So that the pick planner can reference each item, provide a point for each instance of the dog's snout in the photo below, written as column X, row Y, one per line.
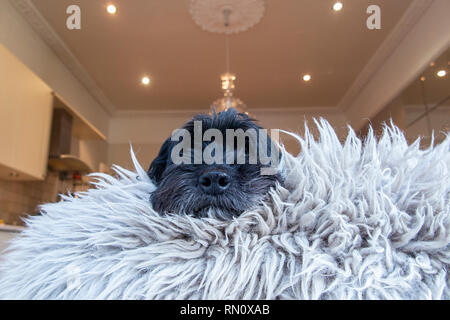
column 214, row 182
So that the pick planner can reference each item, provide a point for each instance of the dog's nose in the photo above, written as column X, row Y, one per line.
column 214, row 182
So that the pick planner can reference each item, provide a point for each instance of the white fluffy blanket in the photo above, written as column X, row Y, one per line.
column 355, row 220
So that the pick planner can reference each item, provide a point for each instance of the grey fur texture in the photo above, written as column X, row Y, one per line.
column 354, row 220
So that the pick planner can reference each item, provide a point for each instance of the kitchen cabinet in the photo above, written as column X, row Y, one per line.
column 26, row 104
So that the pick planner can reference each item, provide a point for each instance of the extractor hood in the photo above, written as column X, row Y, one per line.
column 60, row 157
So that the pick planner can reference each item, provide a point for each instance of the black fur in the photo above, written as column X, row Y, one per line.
column 178, row 187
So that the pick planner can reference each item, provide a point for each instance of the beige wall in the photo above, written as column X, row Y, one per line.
column 395, row 110
column 119, row 154
column 438, row 122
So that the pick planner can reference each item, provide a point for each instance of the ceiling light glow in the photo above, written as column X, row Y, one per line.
column 441, row 73
column 338, row 6
column 145, row 81
column 112, row 9
column 306, row 77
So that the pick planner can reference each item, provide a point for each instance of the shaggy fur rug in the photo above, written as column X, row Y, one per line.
column 354, row 220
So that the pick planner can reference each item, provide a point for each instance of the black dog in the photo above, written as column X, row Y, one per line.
column 219, row 189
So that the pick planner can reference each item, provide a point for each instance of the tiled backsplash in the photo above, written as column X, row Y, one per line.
column 19, row 199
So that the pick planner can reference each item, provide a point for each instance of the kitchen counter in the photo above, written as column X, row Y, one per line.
column 9, row 228
column 7, row 233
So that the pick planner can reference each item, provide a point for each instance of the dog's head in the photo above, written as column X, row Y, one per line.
column 200, row 171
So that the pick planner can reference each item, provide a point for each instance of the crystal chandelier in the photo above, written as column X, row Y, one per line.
column 228, row 101
column 228, row 78
column 227, row 17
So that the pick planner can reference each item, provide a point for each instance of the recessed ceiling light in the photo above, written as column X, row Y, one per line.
column 112, row 9
column 441, row 73
column 306, row 77
column 145, row 81
column 338, row 6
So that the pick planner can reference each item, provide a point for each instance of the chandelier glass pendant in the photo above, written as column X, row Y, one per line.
column 227, row 17
column 228, row 100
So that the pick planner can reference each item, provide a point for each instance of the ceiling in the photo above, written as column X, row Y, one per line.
column 159, row 38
